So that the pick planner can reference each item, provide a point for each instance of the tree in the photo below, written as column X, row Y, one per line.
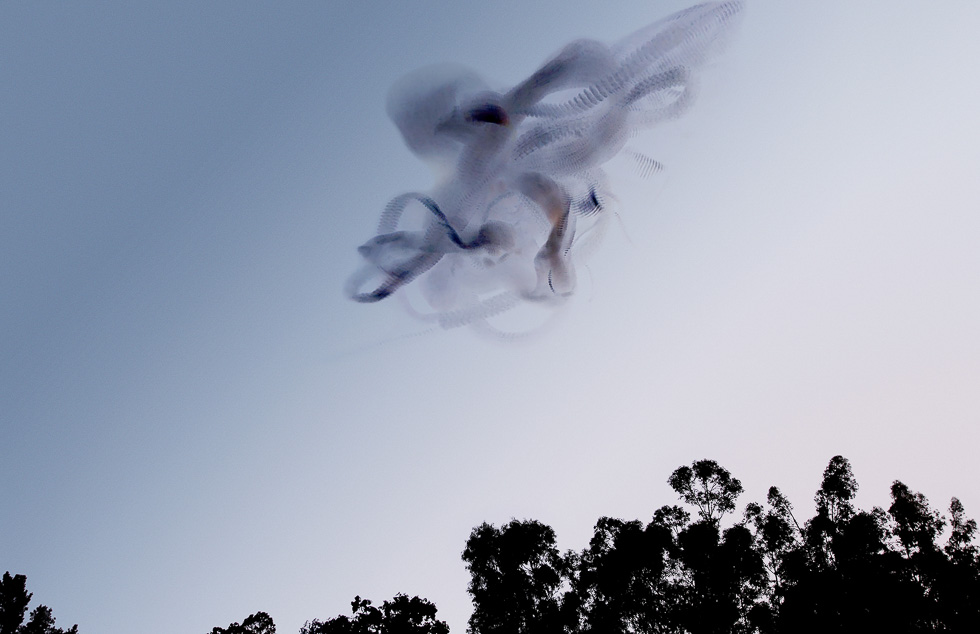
column 42, row 622
column 401, row 615
column 843, row 570
column 960, row 546
column 708, row 486
column 725, row 576
column 778, row 542
column 258, row 623
column 837, row 489
column 834, row 508
column 861, row 587
column 723, row 573
column 958, row 590
column 14, row 599
column 915, row 525
column 624, row 582
column 673, row 518
column 517, row 579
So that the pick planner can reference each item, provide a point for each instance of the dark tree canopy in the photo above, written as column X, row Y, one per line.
column 401, row 615
column 258, row 623
column 836, row 491
column 843, row 570
column 516, row 579
column 14, row 599
column 707, row 486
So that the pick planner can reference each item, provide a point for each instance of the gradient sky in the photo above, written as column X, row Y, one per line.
column 195, row 424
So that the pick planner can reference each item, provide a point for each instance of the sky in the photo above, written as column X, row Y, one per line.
column 196, row 424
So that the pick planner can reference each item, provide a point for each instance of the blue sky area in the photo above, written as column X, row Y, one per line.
column 196, row 424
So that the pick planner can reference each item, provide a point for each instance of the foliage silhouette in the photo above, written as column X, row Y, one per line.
column 517, row 579
column 258, row 623
column 401, row 615
column 620, row 581
column 14, row 599
column 708, row 486
column 842, row 570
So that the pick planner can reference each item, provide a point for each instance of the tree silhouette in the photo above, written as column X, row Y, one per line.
column 834, row 509
column 916, row 525
column 14, row 599
column 624, row 574
column 843, row 570
column 778, row 537
column 837, row 489
column 516, row 579
column 258, row 623
column 401, row 615
column 708, row 486
column 726, row 575
column 958, row 590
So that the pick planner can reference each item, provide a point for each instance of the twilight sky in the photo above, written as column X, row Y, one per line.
column 195, row 424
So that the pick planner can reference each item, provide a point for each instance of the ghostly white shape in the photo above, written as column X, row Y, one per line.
column 520, row 179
